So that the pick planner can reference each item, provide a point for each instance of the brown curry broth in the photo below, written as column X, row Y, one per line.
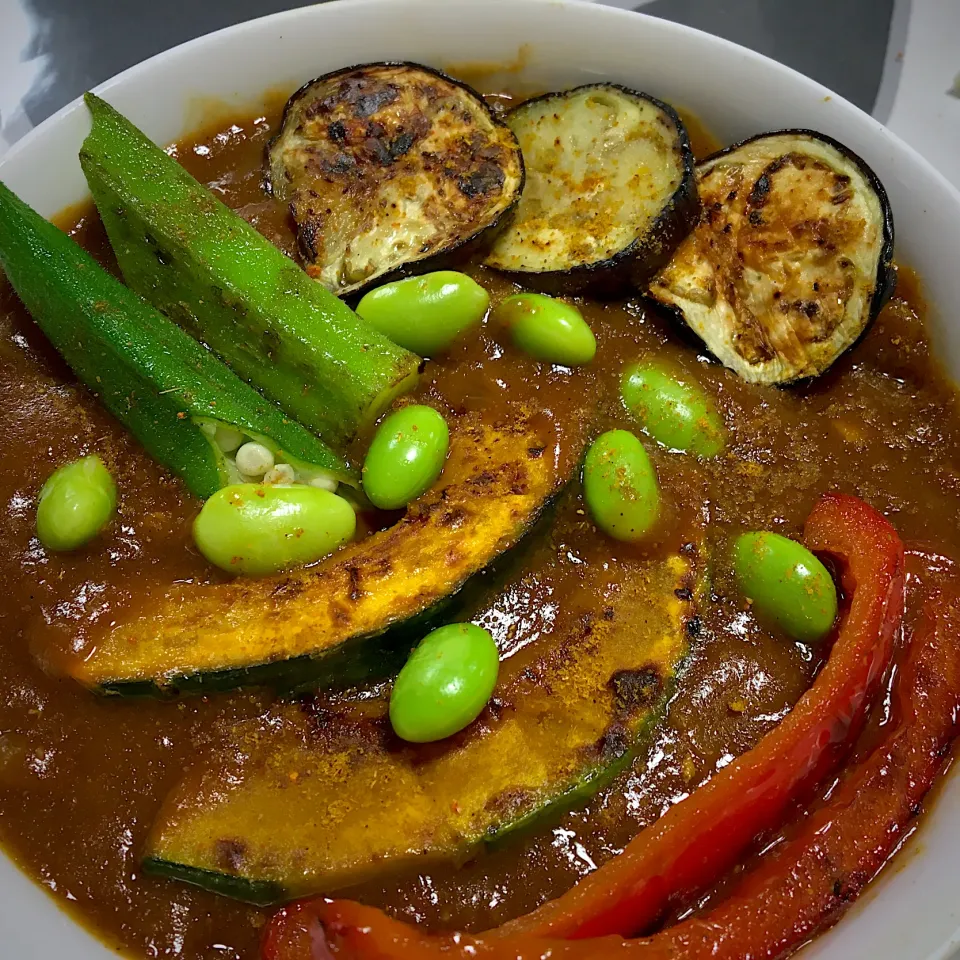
column 81, row 777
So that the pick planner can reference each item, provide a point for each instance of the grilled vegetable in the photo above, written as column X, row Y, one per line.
column 791, row 259
column 610, row 190
column 174, row 396
column 206, row 268
column 697, row 840
column 388, row 169
column 317, row 625
column 300, row 809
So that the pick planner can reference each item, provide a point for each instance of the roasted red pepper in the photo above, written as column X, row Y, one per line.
column 698, row 840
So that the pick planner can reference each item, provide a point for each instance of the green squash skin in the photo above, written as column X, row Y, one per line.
column 265, row 893
column 145, row 370
column 299, row 675
column 259, row 893
column 212, row 273
column 593, row 780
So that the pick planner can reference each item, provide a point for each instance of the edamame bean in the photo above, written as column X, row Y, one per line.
column 620, row 486
column 255, row 529
column 786, row 584
column 405, row 457
column 674, row 411
column 75, row 504
column 426, row 314
column 445, row 684
column 547, row 329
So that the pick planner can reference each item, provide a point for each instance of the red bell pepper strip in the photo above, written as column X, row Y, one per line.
column 699, row 839
column 804, row 885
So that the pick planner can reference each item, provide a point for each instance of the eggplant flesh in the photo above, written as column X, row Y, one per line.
column 610, row 190
column 389, row 168
column 791, row 260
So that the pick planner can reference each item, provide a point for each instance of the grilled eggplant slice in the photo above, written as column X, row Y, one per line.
column 610, row 190
column 389, row 169
column 791, row 260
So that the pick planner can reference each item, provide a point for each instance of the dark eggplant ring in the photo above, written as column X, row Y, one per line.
column 610, row 194
column 792, row 258
column 391, row 169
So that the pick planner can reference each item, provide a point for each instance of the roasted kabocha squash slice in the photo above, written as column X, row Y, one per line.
column 320, row 625
column 391, row 169
column 791, row 260
column 327, row 796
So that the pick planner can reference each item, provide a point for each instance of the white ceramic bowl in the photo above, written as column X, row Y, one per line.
column 913, row 912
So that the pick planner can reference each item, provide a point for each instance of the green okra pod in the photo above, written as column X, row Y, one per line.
column 206, row 268
column 167, row 389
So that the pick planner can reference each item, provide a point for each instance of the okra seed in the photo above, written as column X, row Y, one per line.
column 228, row 439
column 254, row 459
column 281, row 473
column 325, row 481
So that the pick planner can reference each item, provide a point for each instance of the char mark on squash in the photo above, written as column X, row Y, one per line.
column 635, row 690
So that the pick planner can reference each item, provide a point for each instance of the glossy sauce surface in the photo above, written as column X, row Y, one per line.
column 81, row 778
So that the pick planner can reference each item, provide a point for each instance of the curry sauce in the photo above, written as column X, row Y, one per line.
column 82, row 777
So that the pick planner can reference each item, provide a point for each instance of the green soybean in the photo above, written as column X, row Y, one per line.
column 426, row 314
column 445, row 684
column 787, row 585
column 75, row 504
column 405, row 457
column 257, row 529
column 620, row 486
column 673, row 411
column 547, row 329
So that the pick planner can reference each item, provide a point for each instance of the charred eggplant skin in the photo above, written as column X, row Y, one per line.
column 494, row 171
column 885, row 279
column 646, row 254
